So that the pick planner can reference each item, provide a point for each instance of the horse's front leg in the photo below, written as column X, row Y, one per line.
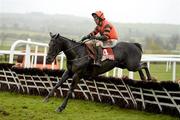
column 72, row 87
column 65, row 76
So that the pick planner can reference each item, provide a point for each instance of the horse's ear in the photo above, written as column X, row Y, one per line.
column 51, row 34
column 57, row 35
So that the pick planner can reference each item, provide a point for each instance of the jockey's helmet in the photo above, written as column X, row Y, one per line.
column 99, row 14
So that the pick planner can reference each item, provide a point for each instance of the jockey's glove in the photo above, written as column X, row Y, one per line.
column 85, row 37
column 101, row 38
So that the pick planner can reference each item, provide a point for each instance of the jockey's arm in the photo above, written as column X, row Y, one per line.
column 94, row 32
column 106, row 34
column 101, row 38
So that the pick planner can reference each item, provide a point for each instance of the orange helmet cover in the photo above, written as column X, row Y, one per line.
column 99, row 14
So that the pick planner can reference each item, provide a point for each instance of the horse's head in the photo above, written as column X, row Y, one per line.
column 54, row 48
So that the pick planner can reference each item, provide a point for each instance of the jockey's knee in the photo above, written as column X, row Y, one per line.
column 89, row 43
column 99, row 44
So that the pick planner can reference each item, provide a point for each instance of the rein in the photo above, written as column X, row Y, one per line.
column 75, row 47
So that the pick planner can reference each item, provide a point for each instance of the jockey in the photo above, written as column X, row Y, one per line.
column 107, row 33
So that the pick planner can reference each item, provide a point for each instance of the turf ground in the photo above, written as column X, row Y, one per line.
column 15, row 106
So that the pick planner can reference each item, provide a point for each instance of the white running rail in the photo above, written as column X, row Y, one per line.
column 117, row 72
column 27, row 52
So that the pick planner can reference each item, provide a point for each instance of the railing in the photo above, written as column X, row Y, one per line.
column 117, row 72
column 159, row 97
column 28, row 44
column 163, row 58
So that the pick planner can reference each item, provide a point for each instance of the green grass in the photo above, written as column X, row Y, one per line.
column 15, row 106
column 157, row 71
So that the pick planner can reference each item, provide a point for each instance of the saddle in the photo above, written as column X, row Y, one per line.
column 107, row 52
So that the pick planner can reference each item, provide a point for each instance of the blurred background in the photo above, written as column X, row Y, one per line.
column 153, row 23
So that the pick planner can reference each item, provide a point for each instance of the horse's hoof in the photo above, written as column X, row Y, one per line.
column 127, row 106
column 59, row 109
column 45, row 100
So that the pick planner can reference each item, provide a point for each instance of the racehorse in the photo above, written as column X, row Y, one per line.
column 79, row 64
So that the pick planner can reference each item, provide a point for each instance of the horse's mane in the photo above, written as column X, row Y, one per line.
column 68, row 39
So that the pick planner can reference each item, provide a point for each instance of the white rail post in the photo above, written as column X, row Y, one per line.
column 148, row 64
column 120, row 72
column 35, row 57
column 27, row 55
column 62, row 61
column 107, row 74
column 131, row 75
column 11, row 56
column 174, row 72
column 44, row 56
column 114, row 72
column 167, row 66
column 32, row 61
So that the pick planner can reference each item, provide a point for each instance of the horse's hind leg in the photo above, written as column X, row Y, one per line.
column 141, row 74
column 148, row 74
column 144, row 66
column 65, row 76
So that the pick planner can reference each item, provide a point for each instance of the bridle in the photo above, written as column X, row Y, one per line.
column 81, row 42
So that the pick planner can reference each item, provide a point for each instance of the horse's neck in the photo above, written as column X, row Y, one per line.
column 71, row 49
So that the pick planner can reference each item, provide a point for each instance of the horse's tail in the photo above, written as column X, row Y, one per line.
column 139, row 46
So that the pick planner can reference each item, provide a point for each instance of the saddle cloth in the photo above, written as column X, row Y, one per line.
column 107, row 54
column 107, row 49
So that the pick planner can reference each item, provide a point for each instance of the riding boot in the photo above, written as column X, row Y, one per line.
column 98, row 56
